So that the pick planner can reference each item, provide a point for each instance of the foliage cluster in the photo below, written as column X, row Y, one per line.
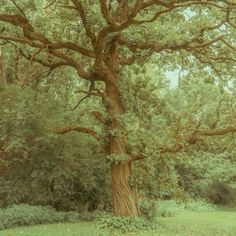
column 40, row 167
column 206, row 172
column 26, row 215
column 148, row 209
column 172, row 207
column 126, row 224
column 222, row 194
column 160, row 116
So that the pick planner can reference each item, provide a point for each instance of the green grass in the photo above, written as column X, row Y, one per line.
column 201, row 224
column 83, row 229
column 220, row 223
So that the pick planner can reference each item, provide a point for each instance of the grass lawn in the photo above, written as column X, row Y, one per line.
column 221, row 223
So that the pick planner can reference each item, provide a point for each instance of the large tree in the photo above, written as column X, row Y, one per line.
column 98, row 39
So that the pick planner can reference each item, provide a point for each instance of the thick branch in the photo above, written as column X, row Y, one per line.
column 153, row 47
column 73, row 62
column 217, row 132
column 52, row 65
column 136, row 158
column 77, row 129
column 66, row 60
column 39, row 41
column 105, row 12
column 184, row 3
column 229, row 10
column 19, row 9
column 72, row 46
column 30, row 34
column 195, row 137
column 85, row 22
column 19, row 21
column 99, row 117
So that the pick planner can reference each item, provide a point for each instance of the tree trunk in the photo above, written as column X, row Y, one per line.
column 2, row 69
column 123, row 198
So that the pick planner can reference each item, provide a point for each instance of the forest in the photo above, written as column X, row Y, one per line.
column 118, row 117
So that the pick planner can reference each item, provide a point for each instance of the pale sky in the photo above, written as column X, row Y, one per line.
column 173, row 77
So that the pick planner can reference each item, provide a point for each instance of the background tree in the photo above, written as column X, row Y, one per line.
column 100, row 39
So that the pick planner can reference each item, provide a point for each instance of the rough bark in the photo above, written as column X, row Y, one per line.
column 123, row 198
column 2, row 70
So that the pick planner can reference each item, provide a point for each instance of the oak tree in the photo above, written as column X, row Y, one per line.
column 101, row 39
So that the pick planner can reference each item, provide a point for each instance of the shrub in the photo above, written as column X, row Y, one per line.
column 148, row 209
column 221, row 193
column 200, row 206
column 172, row 208
column 126, row 224
column 91, row 216
column 169, row 208
column 26, row 215
column 71, row 216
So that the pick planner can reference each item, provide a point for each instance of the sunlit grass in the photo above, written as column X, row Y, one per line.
column 83, row 229
column 221, row 223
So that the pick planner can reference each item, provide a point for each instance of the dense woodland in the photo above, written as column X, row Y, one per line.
column 85, row 99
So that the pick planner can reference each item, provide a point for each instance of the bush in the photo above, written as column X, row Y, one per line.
column 91, row 216
column 148, row 209
column 26, row 215
column 71, row 216
column 200, row 206
column 169, row 208
column 172, row 208
column 126, row 224
column 221, row 193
